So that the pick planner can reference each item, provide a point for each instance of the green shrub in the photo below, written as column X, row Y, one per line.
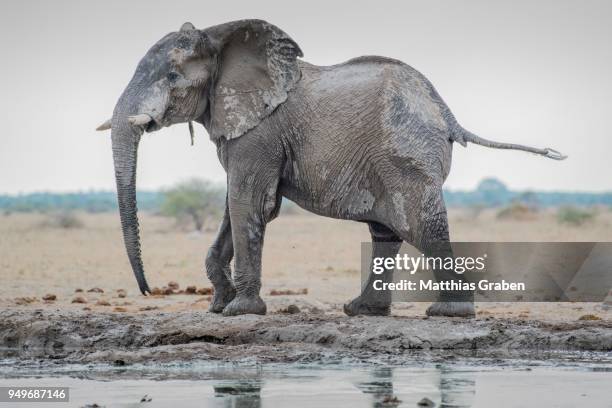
column 574, row 215
column 196, row 200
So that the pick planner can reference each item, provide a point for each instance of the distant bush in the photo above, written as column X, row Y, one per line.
column 489, row 193
column 518, row 212
column 64, row 220
column 197, row 200
column 93, row 202
column 493, row 193
column 574, row 215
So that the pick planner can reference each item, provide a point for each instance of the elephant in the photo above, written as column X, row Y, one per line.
column 367, row 140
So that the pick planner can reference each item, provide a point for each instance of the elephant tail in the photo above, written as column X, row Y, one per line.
column 464, row 136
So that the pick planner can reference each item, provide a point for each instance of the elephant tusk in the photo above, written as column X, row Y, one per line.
column 139, row 120
column 191, row 133
column 105, row 126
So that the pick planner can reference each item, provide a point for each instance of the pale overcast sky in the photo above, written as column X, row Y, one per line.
column 532, row 72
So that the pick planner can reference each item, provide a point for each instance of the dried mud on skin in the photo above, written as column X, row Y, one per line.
column 80, row 337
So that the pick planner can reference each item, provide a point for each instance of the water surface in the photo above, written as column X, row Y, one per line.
column 321, row 385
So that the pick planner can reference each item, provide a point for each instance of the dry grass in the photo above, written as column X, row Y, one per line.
column 517, row 212
column 301, row 251
column 64, row 219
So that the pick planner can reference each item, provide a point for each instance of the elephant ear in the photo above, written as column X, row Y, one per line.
column 257, row 67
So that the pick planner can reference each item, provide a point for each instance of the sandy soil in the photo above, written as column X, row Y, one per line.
column 301, row 252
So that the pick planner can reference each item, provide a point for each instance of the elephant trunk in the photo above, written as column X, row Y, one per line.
column 125, row 138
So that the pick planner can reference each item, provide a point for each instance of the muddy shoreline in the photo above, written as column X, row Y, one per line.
column 121, row 339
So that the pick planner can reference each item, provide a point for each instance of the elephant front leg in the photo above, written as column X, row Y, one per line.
column 248, row 228
column 218, row 266
column 385, row 244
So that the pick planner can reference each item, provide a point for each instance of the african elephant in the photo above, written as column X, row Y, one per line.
column 368, row 140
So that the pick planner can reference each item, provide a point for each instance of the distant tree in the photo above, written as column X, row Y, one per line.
column 492, row 185
column 492, row 192
column 195, row 199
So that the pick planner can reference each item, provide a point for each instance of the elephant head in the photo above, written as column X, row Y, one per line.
column 228, row 77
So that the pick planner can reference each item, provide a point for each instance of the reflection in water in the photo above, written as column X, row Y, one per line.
column 457, row 388
column 240, row 393
column 447, row 388
column 380, row 386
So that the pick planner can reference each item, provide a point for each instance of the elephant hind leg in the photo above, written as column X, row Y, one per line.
column 429, row 233
column 385, row 243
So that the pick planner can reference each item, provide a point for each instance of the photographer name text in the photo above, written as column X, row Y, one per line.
column 432, row 285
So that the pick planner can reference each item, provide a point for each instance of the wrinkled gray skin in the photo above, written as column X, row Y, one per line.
column 368, row 140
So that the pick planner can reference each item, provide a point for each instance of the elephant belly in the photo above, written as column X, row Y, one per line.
column 337, row 193
column 329, row 208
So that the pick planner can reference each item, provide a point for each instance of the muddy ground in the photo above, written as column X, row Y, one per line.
column 310, row 335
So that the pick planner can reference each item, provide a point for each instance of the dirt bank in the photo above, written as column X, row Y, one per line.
column 82, row 337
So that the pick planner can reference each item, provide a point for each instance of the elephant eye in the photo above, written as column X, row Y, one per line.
column 183, row 42
column 172, row 76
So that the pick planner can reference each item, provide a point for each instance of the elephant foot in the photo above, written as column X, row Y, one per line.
column 221, row 298
column 245, row 305
column 359, row 307
column 451, row 309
